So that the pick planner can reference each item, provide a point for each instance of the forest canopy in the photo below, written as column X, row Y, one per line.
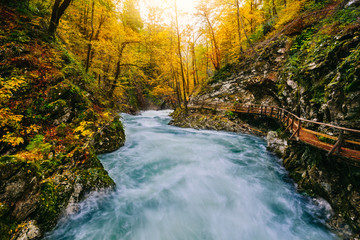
column 160, row 52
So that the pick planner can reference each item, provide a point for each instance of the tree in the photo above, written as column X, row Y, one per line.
column 180, row 55
column 238, row 23
column 58, row 10
column 205, row 11
column 131, row 16
column 87, row 64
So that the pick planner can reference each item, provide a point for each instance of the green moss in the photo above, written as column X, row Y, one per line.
column 230, row 114
column 347, row 15
column 38, row 143
column 315, row 5
column 4, row 209
column 98, row 178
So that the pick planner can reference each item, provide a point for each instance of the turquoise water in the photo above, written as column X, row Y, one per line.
column 182, row 184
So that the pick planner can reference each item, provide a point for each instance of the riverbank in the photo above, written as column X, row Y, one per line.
column 54, row 120
column 331, row 178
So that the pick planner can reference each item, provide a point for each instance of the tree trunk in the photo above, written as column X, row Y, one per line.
column 195, row 75
column 180, row 57
column 216, row 60
column 96, row 36
column 57, row 12
column 118, row 66
column 238, row 24
column 242, row 24
column 274, row 8
column 87, row 65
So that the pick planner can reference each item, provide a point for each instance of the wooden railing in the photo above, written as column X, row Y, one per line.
column 344, row 141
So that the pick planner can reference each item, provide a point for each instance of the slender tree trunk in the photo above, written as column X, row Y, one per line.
column 176, row 86
column 57, row 12
column 180, row 56
column 238, row 24
column 274, row 8
column 216, row 61
column 187, row 79
column 252, row 47
column 96, row 36
column 118, row 66
column 207, row 59
column 251, row 20
column 195, row 75
column 87, row 65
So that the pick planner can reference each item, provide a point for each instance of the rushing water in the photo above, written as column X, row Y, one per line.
column 186, row 184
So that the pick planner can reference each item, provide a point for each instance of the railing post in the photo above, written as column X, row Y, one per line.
column 340, row 140
column 265, row 110
column 297, row 132
column 283, row 113
column 271, row 112
column 299, row 128
column 287, row 123
column 337, row 145
column 249, row 108
column 283, row 118
column 261, row 110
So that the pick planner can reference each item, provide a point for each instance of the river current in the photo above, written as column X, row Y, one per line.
column 186, row 184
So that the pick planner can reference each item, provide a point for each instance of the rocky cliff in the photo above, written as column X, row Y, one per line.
column 311, row 68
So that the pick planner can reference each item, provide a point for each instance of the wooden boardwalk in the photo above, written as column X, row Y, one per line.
column 344, row 141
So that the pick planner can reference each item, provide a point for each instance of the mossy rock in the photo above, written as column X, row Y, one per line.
column 111, row 138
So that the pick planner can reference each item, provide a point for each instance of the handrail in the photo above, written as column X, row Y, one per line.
column 295, row 125
column 309, row 121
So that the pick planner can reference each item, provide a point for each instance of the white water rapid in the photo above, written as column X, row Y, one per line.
column 185, row 184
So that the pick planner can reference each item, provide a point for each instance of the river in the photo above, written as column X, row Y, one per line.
column 186, row 184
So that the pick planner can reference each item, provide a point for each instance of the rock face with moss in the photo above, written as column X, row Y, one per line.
column 332, row 178
column 53, row 122
column 311, row 68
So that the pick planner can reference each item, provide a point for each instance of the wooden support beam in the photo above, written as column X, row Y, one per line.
column 292, row 121
column 289, row 125
column 299, row 128
column 297, row 132
column 337, row 145
column 284, row 119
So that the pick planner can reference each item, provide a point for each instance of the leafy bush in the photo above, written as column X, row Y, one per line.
column 230, row 114
column 347, row 15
